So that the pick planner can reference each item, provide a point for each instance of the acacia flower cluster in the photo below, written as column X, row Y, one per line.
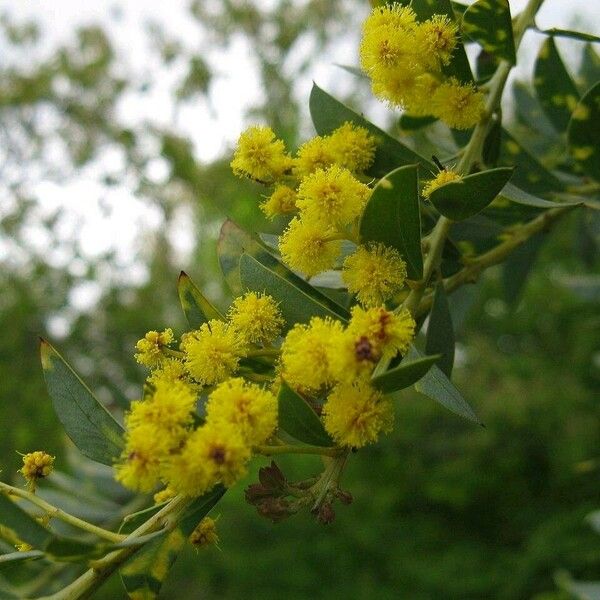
column 324, row 192
column 405, row 61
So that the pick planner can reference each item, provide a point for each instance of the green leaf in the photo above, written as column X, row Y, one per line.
column 89, row 425
column 404, row 375
column 297, row 418
column 328, row 114
column 298, row 300
column 514, row 194
column 196, row 307
column 516, row 268
column 584, row 132
column 554, row 87
column 64, row 549
column 438, row 387
column 589, row 71
column 392, row 217
column 530, row 173
column 492, row 144
column 440, row 331
column 8, row 560
column 233, row 242
column 410, row 123
column 567, row 33
column 488, row 22
column 145, row 573
column 24, row 526
column 462, row 199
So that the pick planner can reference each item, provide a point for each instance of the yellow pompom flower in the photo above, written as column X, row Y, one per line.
column 392, row 15
column 170, row 370
column 436, row 39
column 442, row 178
column 251, row 409
column 307, row 247
column 374, row 273
column 459, row 105
column 169, row 408
column 282, row 201
column 316, row 153
column 397, row 88
column 387, row 49
column 164, row 495
column 149, row 348
column 210, row 455
column 146, row 448
column 355, row 414
column 305, row 353
column 418, row 93
column 353, row 147
column 332, row 197
column 351, row 357
column 388, row 333
column 205, row 533
column 256, row 318
column 259, row 155
column 212, row 353
column 36, row 465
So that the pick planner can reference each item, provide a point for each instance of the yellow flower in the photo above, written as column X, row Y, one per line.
column 210, row 455
column 316, row 153
column 256, row 318
column 260, row 155
column 212, row 352
column 169, row 408
column 170, row 370
column 374, row 273
column 442, row 178
column 393, row 15
column 150, row 347
column 248, row 407
column 305, row 353
column 280, row 202
column 352, row 357
column 436, row 40
column 164, row 495
column 36, row 465
column 353, row 147
column 307, row 247
column 332, row 197
column 139, row 468
column 418, row 93
column 459, row 106
column 387, row 332
column 397, row 88
column 355, row 414
column 205, row 533
column 387, row 49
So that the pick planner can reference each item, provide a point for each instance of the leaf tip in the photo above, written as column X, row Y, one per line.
column 45, row 354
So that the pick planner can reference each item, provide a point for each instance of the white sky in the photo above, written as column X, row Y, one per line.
column 213, row 128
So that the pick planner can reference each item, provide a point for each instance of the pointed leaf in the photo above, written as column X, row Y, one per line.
column 196, row 307
column 392, row 217
column 297, row 418
column 589, row 71
column 8, row 560
column 404, row 375
column 514, row 194
column 517, row 267
column 554, row 87
column 233, row 242
column 584, row 133
column 567, row 33
column 145, row 573
column 328, row 114
column 298, row 300
column 438, row 387
column 91, row 427
column 24, row 526
column 410, row 123
column 440, row 331
column 462, row 199
column 488, row 22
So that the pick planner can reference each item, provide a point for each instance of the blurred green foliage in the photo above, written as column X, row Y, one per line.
column 442, row 509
